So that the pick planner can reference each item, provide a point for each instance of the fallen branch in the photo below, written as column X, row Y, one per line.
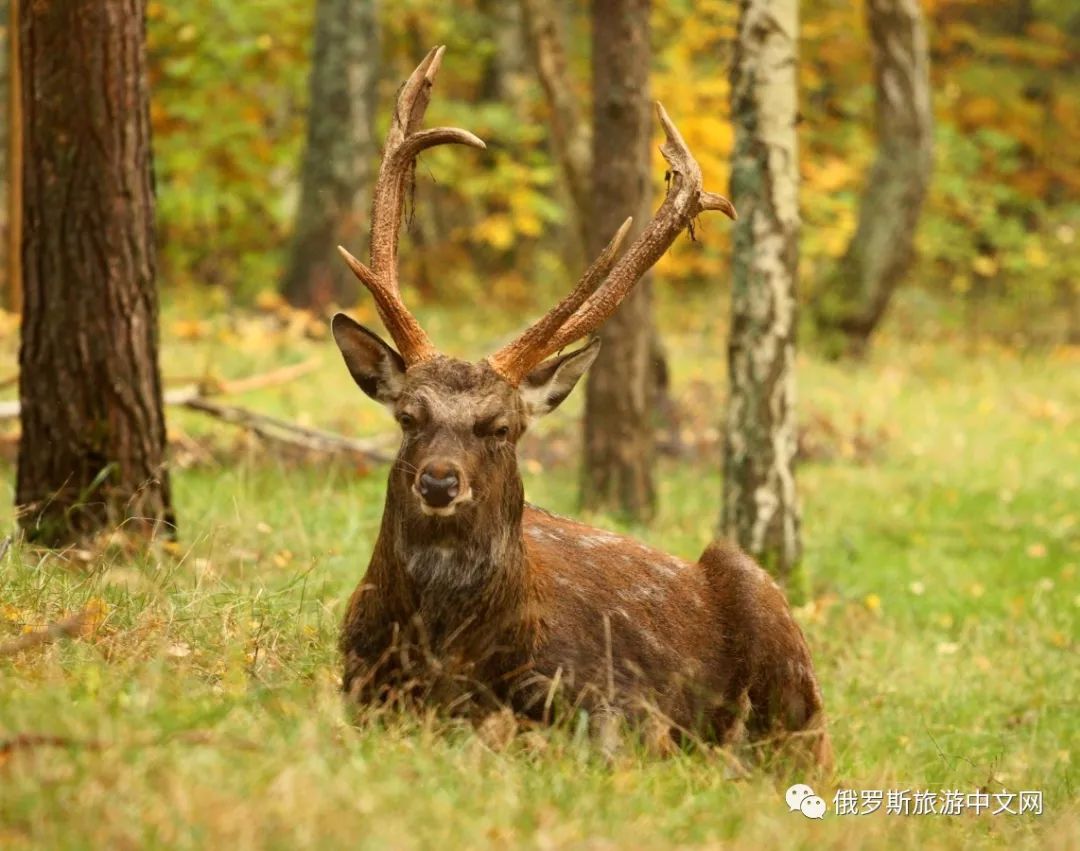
column 26, row 741
column 289, row 433
column 202, row 389
column 9, row 409
column 197, row 397
column 69, row 627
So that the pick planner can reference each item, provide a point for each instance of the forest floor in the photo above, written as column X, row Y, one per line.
column 199, row 708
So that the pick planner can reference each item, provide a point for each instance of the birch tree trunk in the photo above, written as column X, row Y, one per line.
column 92, row 449
column 760, row 509
column 620, row 398
column 339, row 153
column 855, row 293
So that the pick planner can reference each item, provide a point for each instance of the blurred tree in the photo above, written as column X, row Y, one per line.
column 620, row 453
column 12, row 146
column 339, row 153
column 612, row 180
column 506, row 60
column 855, row 292
column 760, row 508
column 92, row 449
column 570, row 136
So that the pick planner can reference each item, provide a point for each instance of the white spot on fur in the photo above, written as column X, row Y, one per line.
column 599, row 540
column 539, row 533
column 663, row 568
column 641, row 593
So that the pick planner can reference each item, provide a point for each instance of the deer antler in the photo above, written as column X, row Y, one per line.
column 404, row 142
column 588, row 306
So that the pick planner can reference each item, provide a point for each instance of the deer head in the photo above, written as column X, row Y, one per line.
column 461, row 421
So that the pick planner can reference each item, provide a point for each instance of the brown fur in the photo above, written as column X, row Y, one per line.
column 502, row 603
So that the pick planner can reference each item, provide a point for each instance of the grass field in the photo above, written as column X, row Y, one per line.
column 942, row 497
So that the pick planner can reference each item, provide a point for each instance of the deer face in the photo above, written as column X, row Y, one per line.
column 460, row 421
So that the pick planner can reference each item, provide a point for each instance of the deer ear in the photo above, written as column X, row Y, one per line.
column 376, row 368
column 548, row 384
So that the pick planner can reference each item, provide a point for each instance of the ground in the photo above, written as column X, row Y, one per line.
column 200, row 708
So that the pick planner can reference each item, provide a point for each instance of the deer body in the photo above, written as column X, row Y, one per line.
column 474, row 600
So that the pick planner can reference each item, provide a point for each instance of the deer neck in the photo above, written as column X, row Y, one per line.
column 454, row 572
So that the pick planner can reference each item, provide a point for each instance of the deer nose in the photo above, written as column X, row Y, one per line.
column 438, row 485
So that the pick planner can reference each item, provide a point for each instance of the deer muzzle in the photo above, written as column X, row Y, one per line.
column 441, row 486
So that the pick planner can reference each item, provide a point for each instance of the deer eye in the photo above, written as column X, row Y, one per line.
column 488, row 428
column 406, row 421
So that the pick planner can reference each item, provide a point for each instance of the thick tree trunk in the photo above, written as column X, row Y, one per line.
column 13, row 165
column 91, row 454
column 620, row 397
column 760, row 509
column 339, row 154
column 856, row 291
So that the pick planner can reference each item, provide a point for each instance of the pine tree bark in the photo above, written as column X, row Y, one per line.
column 92, row 450
column 855, row 293
column 760, row 509
column 339, row 152
column 620, row 395
column 13, row 165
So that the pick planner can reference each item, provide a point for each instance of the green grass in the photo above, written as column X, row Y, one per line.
column 204, row 712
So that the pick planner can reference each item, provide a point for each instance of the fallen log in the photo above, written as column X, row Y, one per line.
column 278, row 430
column 197, row 397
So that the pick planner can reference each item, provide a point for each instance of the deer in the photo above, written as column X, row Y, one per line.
column 475, row 601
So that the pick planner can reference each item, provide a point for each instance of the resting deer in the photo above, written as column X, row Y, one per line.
column 474, row 598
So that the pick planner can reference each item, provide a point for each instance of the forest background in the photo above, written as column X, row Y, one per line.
column 197, row 703
column 996, row 245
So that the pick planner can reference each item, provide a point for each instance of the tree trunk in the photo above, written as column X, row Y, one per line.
column 856, row 291
column 760, row 509
column 13, row 146
column 339, row 154
column 570, row 136
column 91, row 454
column 506, row 63
column 620, row 397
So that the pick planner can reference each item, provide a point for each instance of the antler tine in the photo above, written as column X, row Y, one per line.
column 684, row 201
column 404, row 142
column 514, row 360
